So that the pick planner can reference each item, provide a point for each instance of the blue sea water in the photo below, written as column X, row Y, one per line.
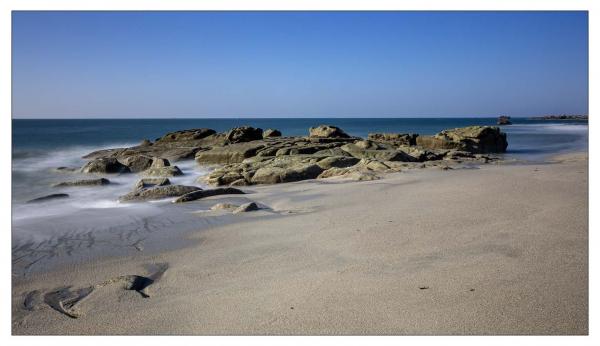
column 525, row 136
column 92, row 215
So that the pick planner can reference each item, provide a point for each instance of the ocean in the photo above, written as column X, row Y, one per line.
column 91, row 220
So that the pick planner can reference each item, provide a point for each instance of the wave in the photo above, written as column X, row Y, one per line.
column 42, row 160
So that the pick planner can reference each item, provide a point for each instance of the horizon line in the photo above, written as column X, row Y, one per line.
column 324, row 117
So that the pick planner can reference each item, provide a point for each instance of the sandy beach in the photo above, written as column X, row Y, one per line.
column 502, row 249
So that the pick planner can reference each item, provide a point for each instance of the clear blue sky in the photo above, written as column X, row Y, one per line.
column 300, row 64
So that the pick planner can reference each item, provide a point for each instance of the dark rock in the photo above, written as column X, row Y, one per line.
column 504, row 120
column 271, row 133
column 105, row 165
column 244, row 134
column 66, row 169
column 83, row 182
column 48, row 198
column 250, row 206
column 198, row 194
column 145, row 143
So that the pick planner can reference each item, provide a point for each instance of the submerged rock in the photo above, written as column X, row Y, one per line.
column 83, row 182
column 48, row 198
column 63, row 169
column 158, row 192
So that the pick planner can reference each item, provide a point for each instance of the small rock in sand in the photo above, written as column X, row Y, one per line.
column 223, row 206
column 251, row 206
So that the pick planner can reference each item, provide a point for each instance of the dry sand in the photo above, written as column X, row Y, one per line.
column 497, row 250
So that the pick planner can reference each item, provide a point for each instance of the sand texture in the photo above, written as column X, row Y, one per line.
column 502, row 249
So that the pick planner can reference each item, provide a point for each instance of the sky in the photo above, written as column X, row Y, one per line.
column 298, row 64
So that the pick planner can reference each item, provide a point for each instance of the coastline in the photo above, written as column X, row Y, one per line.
column 493, row 250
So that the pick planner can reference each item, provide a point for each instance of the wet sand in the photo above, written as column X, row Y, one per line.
column 498, row 250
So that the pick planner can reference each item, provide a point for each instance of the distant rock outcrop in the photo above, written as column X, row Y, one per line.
column 504, row 120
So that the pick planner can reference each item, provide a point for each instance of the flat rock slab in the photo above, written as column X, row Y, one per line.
column 192, row 196
column 158, row 192
column 48, row 198
column 83, row 182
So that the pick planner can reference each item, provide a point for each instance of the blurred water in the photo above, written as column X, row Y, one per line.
column 92, row 215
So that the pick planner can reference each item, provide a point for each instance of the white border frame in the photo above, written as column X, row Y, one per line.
column 7, row 6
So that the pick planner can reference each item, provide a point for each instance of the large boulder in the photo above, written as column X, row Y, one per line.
column 474, row 139
column 275, row 175
column 268, row 133
column 327, row 131
column 158, row 192
column 194, row 195
column 229, row 153
column 83, row 182
column 105, row 165
column 244, row 134
column 168, row 171
column 136, row 163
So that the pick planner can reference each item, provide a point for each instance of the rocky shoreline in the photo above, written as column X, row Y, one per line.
column 246, row 156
